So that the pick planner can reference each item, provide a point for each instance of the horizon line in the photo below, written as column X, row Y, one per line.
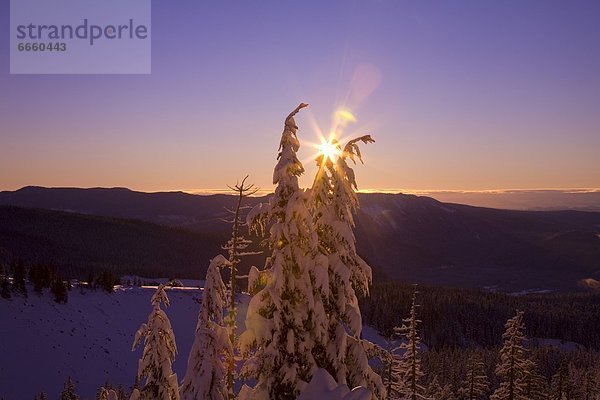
column 262, row 192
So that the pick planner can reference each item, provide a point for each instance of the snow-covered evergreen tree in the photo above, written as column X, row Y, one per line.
column 334, row 201
column 406, row 370
column 206, row 372
column 535, row 385
column 590, row 387
column 107, row 394
column 475, row 386
column 513, row 362
column 155, row 367
column 285, row 319
column 435, row 391
column 559, row 386
column 68, row 392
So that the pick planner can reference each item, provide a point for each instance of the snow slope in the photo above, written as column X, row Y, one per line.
column 89, row 338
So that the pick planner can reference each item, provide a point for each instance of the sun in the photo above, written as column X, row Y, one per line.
column 329, row 149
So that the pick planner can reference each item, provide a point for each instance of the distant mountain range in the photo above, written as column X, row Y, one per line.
column 404, row 237
column 523, row 199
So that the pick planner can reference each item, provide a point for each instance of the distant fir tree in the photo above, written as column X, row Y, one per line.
column 437, row 392
column 535, row 385
column 590, row 387
column 41, row 396
column 107, row 281
column 155, row 366
column 475, row 386
column 285, row 318
column 36, row 276
column 91, row 284
column 559, row 384
column 205, row 377
column 565, row 383
column 513, row 362
column 333, row 204
column 406, row 370
column 5, row 289
column 68, row 392
column 59, row 290
column 19, row 273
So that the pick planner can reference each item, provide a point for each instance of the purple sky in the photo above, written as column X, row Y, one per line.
column 466, row 95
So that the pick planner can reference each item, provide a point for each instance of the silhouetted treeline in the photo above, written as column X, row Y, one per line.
column 15, row 276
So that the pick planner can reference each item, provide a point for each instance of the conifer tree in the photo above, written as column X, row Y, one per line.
column 406, row 370
column 513, row 362
column 535, row 385
column 105, row 393
column 437, row 392
column 285, row 318
column 36, row 277
column 5, row 291
column 590, row 388
column 334, row 202
column 68, row 392
column 475, row 386
column 121, row 393
column 18, row 284
column 206, row 372
column 559, row 384
column 59, row 290
column 41, row 396
column 155, row 366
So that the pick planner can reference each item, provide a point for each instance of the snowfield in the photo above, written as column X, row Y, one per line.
column 90, row 338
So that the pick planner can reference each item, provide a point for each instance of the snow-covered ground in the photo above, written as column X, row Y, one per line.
column 89, row 338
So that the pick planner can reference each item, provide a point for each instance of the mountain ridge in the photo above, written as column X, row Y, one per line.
column 406, row 237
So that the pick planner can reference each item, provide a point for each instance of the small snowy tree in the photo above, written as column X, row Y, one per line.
column 206, row 372
column 107, row 394
column 68, row 392
column 475, row 386
column 406, row 370
column 513, row 362
column 285, row 318
column 155, row 366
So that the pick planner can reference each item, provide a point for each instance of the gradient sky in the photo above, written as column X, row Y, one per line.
column 466, row 95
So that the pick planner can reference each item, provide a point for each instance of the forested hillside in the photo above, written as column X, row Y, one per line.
column 408, row 238
column 458, row 318
column 79, row 244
